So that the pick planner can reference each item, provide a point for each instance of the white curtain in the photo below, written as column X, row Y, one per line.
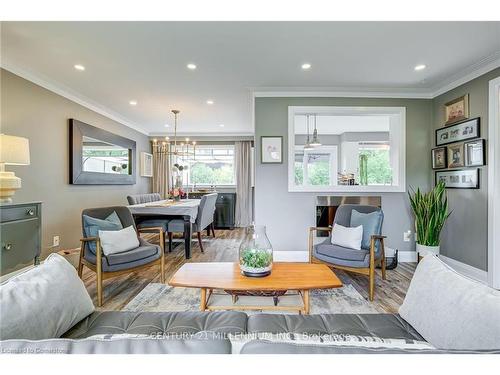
column 161, row 169
column 244, row 201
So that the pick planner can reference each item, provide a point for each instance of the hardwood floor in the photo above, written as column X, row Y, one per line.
column 119, row 291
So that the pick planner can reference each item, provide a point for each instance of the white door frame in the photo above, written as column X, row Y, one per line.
column 494, row 184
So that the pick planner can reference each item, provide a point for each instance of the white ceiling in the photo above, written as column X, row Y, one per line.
column 335, row 125
column 146, row 61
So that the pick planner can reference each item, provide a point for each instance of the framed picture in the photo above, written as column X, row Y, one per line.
column 456, row 110
column 439, row 158
column 459, row 179
column 146, row 164
column 475, row 153
column 462, row 131
column 456, row 155
column 271, row 149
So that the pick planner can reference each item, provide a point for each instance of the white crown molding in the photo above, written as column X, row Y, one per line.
column 340, row 92
column 198, row 134
column 468, row 74
column 69, row 94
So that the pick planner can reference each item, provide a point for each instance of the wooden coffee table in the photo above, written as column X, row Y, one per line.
column 300, row 277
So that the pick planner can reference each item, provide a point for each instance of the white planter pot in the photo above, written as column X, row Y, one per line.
column 423, row 250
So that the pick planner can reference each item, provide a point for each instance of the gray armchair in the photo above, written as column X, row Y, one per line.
column 144, row 256
column 358, row 261
column 204, row 220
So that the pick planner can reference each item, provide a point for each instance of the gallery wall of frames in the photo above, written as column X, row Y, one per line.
column 459, row 149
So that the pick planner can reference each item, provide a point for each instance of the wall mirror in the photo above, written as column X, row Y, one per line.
column 99, row 157
column 346, row 149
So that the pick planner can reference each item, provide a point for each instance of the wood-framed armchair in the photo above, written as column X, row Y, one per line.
column 106, row 267
column 361, row 261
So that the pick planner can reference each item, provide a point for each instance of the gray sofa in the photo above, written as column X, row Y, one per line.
column 114, row 332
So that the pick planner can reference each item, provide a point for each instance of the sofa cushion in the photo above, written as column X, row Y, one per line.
column 335, row 251
column 450, row 310
column 91, row 227
column 43, row 302
column 141, row 252
column 118, row 241
column 371, row 223
column 375, row 325
column 159, row 323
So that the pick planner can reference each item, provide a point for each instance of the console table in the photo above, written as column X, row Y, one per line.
column 21, row 234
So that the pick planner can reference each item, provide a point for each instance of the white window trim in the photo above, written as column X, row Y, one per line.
column 397, row 139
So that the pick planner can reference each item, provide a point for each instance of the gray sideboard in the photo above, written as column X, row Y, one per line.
column 20, row 235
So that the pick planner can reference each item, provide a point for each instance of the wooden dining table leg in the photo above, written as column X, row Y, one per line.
column 187, row 236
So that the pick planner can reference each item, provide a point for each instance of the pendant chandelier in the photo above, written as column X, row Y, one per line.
column 181, row 149
column 308, row 145
column 315, row 140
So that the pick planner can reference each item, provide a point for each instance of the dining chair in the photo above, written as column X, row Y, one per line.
column 112, row 265
column 361, row 261
column 149, row 224
column 204, row 220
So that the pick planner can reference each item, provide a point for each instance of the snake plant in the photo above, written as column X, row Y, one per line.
column 431, row 211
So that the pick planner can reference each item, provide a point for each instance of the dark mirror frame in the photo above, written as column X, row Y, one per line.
column 77, row 176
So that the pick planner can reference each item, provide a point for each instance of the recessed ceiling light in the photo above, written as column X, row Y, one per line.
column 210, row 102
column 306, row 66
column 133, row 102
column 79, row 67
column 167, row 125
column 191, row 66
column 221, row 125
column 420, row 67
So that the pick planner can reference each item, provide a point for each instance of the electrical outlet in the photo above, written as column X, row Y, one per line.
column 55, row 241
column 407, row 236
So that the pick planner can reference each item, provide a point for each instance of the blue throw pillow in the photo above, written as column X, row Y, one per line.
column 91, row 226
column 372, row 224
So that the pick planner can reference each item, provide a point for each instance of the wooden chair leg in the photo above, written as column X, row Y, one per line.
column 99, row 273
column 213, row 230
column 371, row 273
column 162, row 258
column 169, row 242
column 199, row 241
column 80, row 264
column 383, row 262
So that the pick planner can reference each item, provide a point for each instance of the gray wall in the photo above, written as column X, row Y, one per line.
column 465, row 237
column 288, row 215
column 30, row 111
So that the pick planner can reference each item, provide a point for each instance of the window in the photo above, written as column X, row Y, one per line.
column 374, row 164
column 316, row 168
column 212, row 165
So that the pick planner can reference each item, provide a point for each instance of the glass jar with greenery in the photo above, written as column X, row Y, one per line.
column 256, row 253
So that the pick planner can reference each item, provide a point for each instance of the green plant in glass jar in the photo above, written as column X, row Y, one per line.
column 256, row 253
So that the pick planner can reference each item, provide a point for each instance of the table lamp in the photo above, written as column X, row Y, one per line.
column 13, row 151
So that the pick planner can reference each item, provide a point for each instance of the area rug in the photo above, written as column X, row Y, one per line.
column 160, row 297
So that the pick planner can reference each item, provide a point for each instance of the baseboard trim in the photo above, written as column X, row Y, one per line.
column 466, row 270
column 407, row 256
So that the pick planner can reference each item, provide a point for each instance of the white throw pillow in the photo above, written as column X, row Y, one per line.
column 43, row 302
column 118, row 241
column 347, row 237
column 450, row 310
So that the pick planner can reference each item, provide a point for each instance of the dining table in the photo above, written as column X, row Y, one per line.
column 184, row 209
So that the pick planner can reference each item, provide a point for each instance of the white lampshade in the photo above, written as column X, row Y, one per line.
column 14, row 150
